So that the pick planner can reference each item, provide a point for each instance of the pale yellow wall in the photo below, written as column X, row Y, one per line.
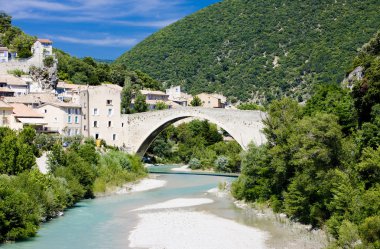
column 57, row 119
column 208, row 101
column 5, row 117
column 96, row 97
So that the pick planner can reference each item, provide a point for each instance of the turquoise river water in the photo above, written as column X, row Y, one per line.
column 106, row 222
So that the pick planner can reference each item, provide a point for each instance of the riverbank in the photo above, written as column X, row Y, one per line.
column 174, row 224
column 144, row 184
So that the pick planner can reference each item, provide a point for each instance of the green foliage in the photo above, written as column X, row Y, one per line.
column 19, row 215
column 161, row 106
column 17, row 72
column 369, row 166
column 48, row 61
column 334, row 100
column 140, row 104
column 89, row 71
column 370, row 231
column 200, row 140
column 250, row 106
column 366, row 92
column 196, row 101
column 17, row 151
column 194, row 163
column 230, row 47
column 115, row 169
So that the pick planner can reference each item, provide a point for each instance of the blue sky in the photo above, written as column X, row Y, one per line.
column 102, row 29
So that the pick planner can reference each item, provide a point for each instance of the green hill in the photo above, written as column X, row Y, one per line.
column 255, row 49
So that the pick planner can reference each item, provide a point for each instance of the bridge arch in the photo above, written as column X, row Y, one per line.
column 244, row 126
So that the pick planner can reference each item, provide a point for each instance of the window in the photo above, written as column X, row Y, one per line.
column 95, row 123
column 110, row 111
column 69, row 110
column 96, row 135
column 45, row 111
column 77, row 112
column 76, row 120
column 109, row 123
column 122, row 124
column 85, row 128
column 109, row 102
column 69, row 132
column 96, row 112
column 84, row 116
column 69, row 119
column 113, row 137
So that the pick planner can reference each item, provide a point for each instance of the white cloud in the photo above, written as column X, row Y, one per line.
column 147, row 12
column 106, row 41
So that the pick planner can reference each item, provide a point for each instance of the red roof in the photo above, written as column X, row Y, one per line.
column 46, row 41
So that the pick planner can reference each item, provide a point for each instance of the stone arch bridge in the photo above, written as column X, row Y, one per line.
column 141, row 129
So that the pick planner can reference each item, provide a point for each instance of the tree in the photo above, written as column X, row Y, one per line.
column 194, row 163
column 48, row 61
column 5, row 22
column 140, row 104
column 126, row 99
column 196, row 101
column 161, row 106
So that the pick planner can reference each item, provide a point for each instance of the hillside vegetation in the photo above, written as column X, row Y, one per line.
column 260, row 49
column 321, row 165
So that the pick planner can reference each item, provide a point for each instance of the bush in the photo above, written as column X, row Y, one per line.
column 194, row 163
column 222, row 164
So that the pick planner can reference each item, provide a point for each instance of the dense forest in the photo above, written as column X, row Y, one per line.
column 260, row 50
column 321, row 165
column 28, row 197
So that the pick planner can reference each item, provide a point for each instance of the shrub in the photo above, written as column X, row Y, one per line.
column 194, row 163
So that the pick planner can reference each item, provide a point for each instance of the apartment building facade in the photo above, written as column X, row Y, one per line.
column 63, row 118
column 101, row 113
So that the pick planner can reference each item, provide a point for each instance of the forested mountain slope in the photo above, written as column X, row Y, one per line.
column 262, row 48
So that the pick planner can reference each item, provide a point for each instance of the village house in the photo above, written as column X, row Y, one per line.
column 101, row 113
column 181, row 98
column 5, row 113
column 155, row 97
column 69, row 92
column 4, row 53
column 63, row 118
column 23, row 115
column 16, row 84
column 212, row 100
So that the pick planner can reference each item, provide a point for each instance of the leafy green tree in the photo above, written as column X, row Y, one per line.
column 194, row 163
column 250, row 106
column 140, row 104
column 370, row 231
column 48, row 61
column 5, row 22
column 19, row 215
column 369, row 166
column 196, row 101
column 57, row 157
column 161, row 106
column 333, row 99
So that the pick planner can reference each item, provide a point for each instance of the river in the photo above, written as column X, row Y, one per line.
column 158, row 218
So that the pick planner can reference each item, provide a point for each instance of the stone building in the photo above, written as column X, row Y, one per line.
column 101, row 113
column 212, row 100
column 63, row 118
column 5, row 114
